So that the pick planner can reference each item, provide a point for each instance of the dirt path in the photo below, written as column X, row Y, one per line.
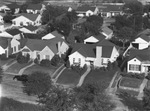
column 113, row 97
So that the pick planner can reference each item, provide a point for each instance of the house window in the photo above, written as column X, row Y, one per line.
column 134, row 67
column 73, row 60
column 79, row 60
column 47, row 57
column 14, row 49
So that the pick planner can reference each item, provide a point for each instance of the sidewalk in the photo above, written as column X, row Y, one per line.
column 55, row 79
column 83, row 77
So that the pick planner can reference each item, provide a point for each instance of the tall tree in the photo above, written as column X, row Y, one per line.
column 38, row 84
column 125, row 34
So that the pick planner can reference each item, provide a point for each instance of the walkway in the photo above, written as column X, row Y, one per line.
column 54, row 74
column 113, row 97
column 23, row 69
column 83, row 77
column 6, row 66
column 55, row 80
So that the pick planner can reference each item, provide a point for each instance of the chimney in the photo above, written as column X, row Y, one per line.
column 97, row 62
column 59, row 45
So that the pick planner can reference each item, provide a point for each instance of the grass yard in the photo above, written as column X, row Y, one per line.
column 130, row 82
column 148, row 84
column 131, row 92
column 15, row 68
column 2, row 62
column 69, row 77
column 36, row 67
column 100, row 76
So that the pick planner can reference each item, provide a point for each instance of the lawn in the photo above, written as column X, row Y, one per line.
column 148, row 84
column 69, row 77
column 2, row 62
column 100, row 76
column 36, row 67
column 130, row 82
column 15, row 68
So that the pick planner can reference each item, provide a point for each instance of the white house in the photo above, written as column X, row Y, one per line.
column 26, row 19
column 139, row 61
column 107, row 32
column 141, row 42
column 15, row 45
column 92, row 55
column 53, row 35
column 94, row 39
column 86, row 10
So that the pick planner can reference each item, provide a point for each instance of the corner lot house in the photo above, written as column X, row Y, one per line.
column 96, row 55
column 26, row 19
column 141, row 42
column 86, row 10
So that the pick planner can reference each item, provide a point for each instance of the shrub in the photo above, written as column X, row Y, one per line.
column 134, row 75
column 45, row 63
column 67, row 64
column 23, row 59
column 36, row 61
column 55, row 60
column 79, row 70
column 3, row 57
column 13, row 56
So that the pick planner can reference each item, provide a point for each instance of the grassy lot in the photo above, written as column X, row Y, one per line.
column 15, row 68
column 130, row 82
column 100, row 76
column 36, row 67
column 69, row 76
column 8, row 104
column 131, row 92
column 148, row 84
column 2, row 62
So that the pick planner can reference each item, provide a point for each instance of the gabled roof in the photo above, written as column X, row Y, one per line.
column 13, row 5
column 141, row 55
column 31, row 27
column 14, row 32
column 107, row 51
column 31, row 17
column 57, row 34
column 35, row 6
column 145, row 37
column 144, row 32
column 111, row 8
column 32, row 36
column 39, row 45
column 107, row 30
column 85, row 8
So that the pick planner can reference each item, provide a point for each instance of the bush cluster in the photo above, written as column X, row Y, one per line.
column 78, row 69
column 45, row 63
column 23, row 59
column 134, row 75
column 3, row 57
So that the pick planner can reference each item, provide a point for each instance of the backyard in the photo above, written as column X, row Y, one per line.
column 69, row 77
column 131, row 82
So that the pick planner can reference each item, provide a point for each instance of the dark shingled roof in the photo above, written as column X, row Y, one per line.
column 14, row 32
column 142, row 55
column 32, row 17
column 56, row 34
column 110, row 8
column 85, row 8
column 35, row 6
column 145, row 37
column 31, row 27
column 13, row 5
column 89, row 50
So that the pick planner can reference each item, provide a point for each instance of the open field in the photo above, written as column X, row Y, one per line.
column 69, row 77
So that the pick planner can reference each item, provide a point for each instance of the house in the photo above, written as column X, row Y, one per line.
column 53, row 35
column 97, row 55
column 94, row 39
column 15, row 45
column 29, row 29
column 35, row 8
column 107, row 32
column 14, row 7
column 26, row 19
column 86, row 10
column 141, row 42
column 12, row 33
column 4, row 8
column 139, row 61
column 110, row 10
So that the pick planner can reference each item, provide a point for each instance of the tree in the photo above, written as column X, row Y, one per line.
column 125, row 34
column 90, row 97
column 55, row 60
column 57, row 99
column 38, row 83
column 146, row 99
column 7, row 18
column 1, row 74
